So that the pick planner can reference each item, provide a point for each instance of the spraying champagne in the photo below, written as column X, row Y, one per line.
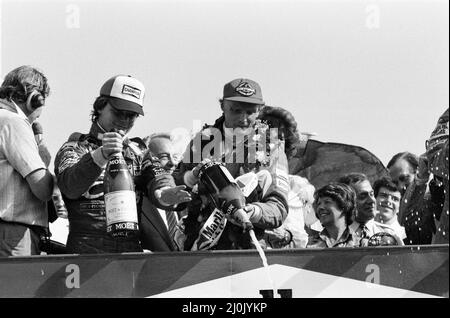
column 227, row 196
column 225, row 193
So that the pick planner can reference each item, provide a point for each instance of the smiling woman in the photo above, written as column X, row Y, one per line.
column 334, row 205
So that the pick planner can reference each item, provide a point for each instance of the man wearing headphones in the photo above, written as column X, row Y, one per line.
column 25, row 182
column 80, row 165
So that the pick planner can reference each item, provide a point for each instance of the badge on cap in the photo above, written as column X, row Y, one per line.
column 128, row 90
column 245, row 89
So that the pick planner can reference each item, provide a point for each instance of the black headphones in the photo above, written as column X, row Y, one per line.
column 35, row 100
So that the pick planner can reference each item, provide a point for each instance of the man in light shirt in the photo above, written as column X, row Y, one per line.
column 25, row 181
column 388, row 199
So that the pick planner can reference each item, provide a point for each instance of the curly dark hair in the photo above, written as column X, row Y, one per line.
column 384, row 182
column 342, row 194
column 278, row 117
column 20, row 82
column 99, row 104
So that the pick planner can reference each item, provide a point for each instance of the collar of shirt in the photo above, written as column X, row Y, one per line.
column 20, row 112
column 345, row 237
column 356, row 228
column 394, row 224
column 12, row 106
column 97, row 131
column 393, row 228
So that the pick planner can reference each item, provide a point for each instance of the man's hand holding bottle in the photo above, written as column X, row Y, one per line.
column 112, row 142
column 191, row 177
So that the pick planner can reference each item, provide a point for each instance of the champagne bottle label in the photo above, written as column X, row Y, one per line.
column 117, row 165
column 211, row 231
column 120, row 208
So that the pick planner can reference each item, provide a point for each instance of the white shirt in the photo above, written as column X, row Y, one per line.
column 17, row 201
column 374, row 227
column 397, row 228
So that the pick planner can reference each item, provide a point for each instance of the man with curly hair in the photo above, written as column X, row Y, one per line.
column 388, row 197
column 26, row 184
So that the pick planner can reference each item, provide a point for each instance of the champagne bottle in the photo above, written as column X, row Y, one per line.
column 225, row 192
column 120, row 199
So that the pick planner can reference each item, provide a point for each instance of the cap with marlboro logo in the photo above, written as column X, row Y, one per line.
column 243, row 90
column 125, row 93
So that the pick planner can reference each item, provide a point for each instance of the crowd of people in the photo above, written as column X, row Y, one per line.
column 177, row 210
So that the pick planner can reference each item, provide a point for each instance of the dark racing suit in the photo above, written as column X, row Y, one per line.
column 80, row 180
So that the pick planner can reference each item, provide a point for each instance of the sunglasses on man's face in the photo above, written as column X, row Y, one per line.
column 124, row 114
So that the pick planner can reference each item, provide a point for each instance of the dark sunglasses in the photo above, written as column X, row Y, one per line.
column 124, row 114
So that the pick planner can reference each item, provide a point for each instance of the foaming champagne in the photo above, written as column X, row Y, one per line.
column 120, row 199
column 225, row 192
column 228, row 197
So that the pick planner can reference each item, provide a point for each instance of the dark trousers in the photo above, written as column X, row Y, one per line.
column 94, row 243
column 18, row 239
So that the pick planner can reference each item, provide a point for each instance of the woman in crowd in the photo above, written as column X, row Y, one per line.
column 334, row 205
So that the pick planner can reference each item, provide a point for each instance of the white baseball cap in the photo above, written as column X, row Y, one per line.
column 125, row 92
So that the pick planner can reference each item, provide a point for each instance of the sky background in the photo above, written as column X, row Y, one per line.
column 367, row 73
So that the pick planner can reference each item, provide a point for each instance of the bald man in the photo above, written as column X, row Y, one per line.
column 160, row 196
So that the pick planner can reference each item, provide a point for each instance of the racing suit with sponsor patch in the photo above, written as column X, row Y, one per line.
column 80, row 180
column 272, row 206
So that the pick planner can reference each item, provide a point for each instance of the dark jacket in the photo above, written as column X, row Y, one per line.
column 437, row 154
column 154, row 235
column 416, row 214
column 80, row 180
column 153, row 231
